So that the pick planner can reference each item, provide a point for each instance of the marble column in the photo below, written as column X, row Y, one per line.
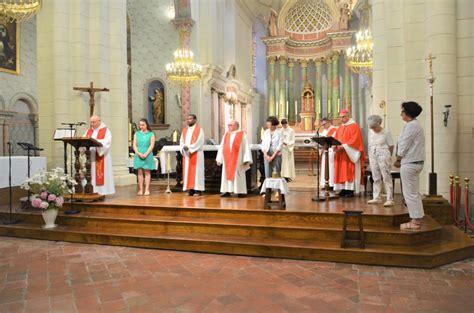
column 222, row 127
column 291, row 92
column 318, row 90
column 336, row 96
column 304, row 72
column 85, row 43
column 282, row 94
column 215, row 115
column 271, row 86
column 346, row 103
column 329, row 87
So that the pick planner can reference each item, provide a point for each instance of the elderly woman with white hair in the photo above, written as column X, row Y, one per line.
column 380, row 156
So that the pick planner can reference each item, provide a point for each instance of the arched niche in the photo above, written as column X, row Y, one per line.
column 23, row 125
column 155, row 94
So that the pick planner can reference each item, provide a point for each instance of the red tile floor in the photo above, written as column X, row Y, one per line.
column 45, row 276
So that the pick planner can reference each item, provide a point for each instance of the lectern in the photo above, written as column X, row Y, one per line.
column 325, row 142
column 85, row 193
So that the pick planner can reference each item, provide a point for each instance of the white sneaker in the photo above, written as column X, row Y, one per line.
column 374, row 201
column 389, row 203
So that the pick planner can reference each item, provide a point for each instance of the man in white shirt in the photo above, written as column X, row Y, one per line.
column 272, row 143
column 235, row 156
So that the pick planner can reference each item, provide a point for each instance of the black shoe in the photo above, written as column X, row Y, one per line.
column 241, row 195
column 225, row 194
column 349, row 194
column 191, row 192
column 342, row 193
column 197, row 193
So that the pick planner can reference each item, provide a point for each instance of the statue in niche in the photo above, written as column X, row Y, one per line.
column 272, row 24
column 156, row 100
column 345, row 14
column 307, row 98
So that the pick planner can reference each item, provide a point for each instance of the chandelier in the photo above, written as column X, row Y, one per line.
column 359, row 57
column 183, row 68
column 18, row 10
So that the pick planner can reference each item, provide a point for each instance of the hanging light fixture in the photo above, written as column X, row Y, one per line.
column 359, row 57
column 183, row 68
column 18, row 10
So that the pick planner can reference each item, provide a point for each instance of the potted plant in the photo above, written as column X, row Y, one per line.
column 48, row 190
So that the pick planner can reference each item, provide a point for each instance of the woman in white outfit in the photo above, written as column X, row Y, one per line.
column 410, row 159
column 380, row 159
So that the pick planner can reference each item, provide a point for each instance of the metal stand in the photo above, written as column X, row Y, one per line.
column 168, row 188
column 72, row 130
column 10, row 219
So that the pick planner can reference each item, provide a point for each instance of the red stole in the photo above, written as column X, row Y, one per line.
column 331, row 132
column 99, row 160
column 231, row 155
column 344, row 169
column 192, row 157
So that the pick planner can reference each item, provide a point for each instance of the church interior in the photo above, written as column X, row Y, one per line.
column 81, row 81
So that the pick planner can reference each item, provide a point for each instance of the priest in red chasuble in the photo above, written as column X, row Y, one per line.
column 102, row 173
column 235, row 156
column 191, row 146
column 349, row 158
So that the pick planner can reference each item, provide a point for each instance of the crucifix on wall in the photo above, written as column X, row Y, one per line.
column 91, row 90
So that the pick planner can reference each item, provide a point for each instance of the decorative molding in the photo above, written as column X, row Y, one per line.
column 27, row 98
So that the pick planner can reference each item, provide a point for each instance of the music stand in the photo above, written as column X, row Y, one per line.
column 326, row 142
column 10, row 220
column 28, row 147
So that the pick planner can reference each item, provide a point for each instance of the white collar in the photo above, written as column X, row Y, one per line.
column 349, row 122
column 102, row 125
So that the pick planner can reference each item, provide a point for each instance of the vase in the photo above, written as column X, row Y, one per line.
column 49, row 217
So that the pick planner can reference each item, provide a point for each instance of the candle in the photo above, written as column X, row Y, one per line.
column 129, row 132
column 262, row 131
column 338, row 105
column 296, row 110
column 175, row 136
column 320, row 112
column 329, row 108
column 168, row 161
column 286, row 108
column 277, row 108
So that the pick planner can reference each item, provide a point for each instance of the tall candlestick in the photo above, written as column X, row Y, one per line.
column 338, row 105
column 277, row 108
column 329, row 108
column 296, row 111
column 320, row 112
column 286, row 113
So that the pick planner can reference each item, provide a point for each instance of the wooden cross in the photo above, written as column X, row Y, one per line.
column 91, row 90
column 430, row 59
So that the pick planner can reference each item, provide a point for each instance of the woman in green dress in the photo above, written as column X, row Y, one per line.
column 143, row 144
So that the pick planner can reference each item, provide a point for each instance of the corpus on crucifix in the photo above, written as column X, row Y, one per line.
column 91, row 90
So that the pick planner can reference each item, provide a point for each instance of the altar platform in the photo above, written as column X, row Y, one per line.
column 306, row 230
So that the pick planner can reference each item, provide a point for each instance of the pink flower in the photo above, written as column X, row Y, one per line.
column 59, row 201
column 51, row 197
column 44, row 195
column 36, row 202
column 44, row 205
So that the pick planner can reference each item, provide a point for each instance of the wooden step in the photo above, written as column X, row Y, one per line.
column 272, row 216
column 377, row 234
column 452, row 246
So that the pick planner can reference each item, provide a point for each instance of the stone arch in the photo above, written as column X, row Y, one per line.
column 26, row 98
column 2, row 103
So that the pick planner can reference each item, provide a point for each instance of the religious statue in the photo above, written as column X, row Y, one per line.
column 272, row 24
column 158, row 106
column 307, row 98
column 345, row 14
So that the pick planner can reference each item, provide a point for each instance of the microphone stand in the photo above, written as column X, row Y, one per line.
column 10, row 221
column 317, row 198
column 28, row 148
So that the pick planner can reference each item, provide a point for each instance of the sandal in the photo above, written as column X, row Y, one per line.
column 411, row 225
column 140, row 193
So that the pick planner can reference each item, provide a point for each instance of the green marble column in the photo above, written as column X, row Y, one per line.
column 291, row 92
column 347, row 86
column 336, row 95
column 329, row 87
column 318, row 90
column 304, row 72
column 282, row 95
column 271, row 86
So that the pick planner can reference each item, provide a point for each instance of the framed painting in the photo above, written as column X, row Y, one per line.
column 10, row 48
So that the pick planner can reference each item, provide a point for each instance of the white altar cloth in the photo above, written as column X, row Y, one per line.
column 20, row 169
column 168, row 150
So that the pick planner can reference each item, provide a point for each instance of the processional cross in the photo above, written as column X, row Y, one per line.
column 433, row 184
column 91, row 90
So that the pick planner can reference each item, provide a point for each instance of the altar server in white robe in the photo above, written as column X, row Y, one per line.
column 235, row 156
column 102, row 172
column 191, row 146
column 329, row 130
column 287, row 152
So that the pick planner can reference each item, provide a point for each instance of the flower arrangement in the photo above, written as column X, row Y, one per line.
column 49, row 188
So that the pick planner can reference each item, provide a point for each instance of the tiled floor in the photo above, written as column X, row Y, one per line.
column 43, row 276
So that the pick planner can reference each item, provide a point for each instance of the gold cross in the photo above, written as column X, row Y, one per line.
column 430, row 59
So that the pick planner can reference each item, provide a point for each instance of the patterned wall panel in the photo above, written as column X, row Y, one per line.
column 153, row 41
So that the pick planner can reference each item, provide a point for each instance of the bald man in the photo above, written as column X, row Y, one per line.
column 101, row 159
column 235, row 156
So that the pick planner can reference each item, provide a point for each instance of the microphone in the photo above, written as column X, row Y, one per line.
column 80, row 123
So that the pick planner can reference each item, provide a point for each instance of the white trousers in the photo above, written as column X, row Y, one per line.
column 410, row 175
column 380, row 164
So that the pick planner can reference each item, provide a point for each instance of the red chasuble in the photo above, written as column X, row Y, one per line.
column 99, row 160
column 231, row 155
column 344, row 168
column 331, row 132
column 192, row 157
